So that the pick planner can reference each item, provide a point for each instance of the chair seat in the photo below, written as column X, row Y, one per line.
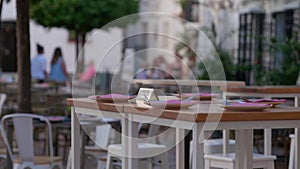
column 144, row 149
column 94, row 149
column 230, row 157
column 212, row 146
column 40, row 160
column 3, row 150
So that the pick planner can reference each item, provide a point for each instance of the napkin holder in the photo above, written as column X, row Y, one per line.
column 146, row 95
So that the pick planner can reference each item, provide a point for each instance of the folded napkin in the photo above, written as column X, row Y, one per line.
column 172, row 102
column 196, row 94
column 55, row 118
column 108, row 96
column 240, row 104
column 263, row 100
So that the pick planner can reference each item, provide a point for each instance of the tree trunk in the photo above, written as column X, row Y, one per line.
column 23, row 56
column 80, row 41
column 77, row 44
column 82, row 50
column 1, row 5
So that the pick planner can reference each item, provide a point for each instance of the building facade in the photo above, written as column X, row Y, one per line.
column 249, row 28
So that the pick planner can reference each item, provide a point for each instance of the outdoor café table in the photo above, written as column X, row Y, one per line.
column 266, row 92
column 188, row 86
column 195, row 118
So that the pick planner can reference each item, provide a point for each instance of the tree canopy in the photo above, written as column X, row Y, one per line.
column 80, row 15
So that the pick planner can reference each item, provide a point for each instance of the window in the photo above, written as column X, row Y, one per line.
column 285, row 24
column 191, row 10
column 250, row 43
column 258, row 34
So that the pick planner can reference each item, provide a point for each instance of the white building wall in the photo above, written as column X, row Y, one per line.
column 167, row 24
column 98, row 43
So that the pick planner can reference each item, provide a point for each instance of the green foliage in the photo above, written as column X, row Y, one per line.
column 287, row 74
column 226, row 58
column 209, row 65
column 80, row 15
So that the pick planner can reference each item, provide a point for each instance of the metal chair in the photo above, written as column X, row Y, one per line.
column 148, row 150
column 3, row 97
column 228, row 161
column 23, row 128
column 102, row 136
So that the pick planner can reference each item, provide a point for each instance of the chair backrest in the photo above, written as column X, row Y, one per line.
column 2, row 100
column 153, row 130
column 102, row 135
column 23, row 128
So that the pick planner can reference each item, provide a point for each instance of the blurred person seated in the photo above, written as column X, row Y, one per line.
column 39, row 66
column 142, row 72
column 174, row 69
column 157, row 70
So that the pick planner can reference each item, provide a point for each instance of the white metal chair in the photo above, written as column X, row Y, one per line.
column 23, row 128
column 228, row 161
column 3, row 97
column 102, row 137
column 144, row 150
column 219, row 159
column 214, row 146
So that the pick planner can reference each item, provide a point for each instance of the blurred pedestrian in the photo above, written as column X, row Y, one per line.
column 39, row 66
column 89, row 73
column 58, row 71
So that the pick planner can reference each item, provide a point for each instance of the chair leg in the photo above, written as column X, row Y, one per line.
column 231, row 166
column 270, row 165
column 101, row 164
column 164, row 161
column 59, row 165
column 207, row 164
column 109, row 162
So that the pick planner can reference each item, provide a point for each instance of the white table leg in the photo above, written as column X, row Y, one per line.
column 268, row 138
column 133, row 144
column 268, row 141
column 225, row 133
column 297, row 146
column 180, row 133
column 297, row 138
column 125, row 142
column 225, row 141
column 244, row 149
column 198, row 149
column 75, row 141
column 297, row 101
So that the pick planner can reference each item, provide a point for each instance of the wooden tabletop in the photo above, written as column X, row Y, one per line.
column 187, row 82
column 262, row 89
column 197, row 113
column 93, row 104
